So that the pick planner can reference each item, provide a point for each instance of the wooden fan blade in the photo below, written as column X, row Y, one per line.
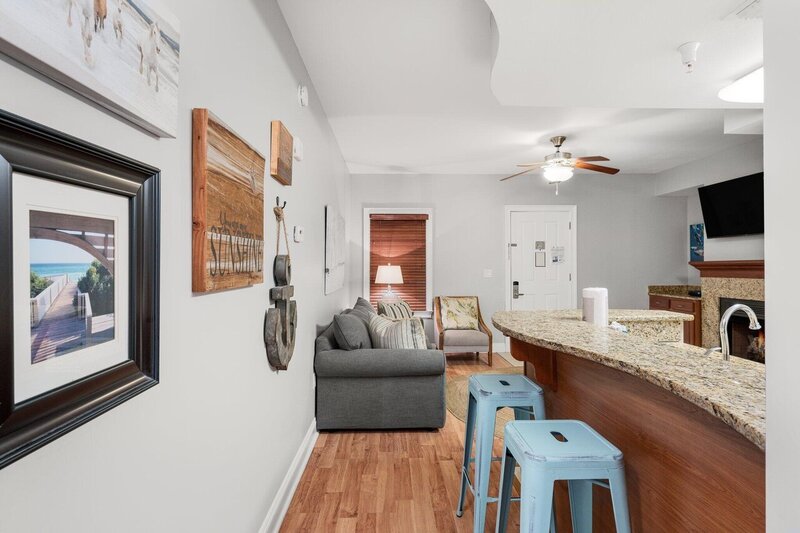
column 517, row 174
column 592, row 158
column 539, row 164
column 596, row 168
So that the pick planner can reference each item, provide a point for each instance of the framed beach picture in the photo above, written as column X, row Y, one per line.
column 78, row 283
column 122, row 54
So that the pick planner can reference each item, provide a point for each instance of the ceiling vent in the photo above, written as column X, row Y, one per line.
column 747, row 10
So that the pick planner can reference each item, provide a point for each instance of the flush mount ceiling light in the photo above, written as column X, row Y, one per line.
column 746, row 90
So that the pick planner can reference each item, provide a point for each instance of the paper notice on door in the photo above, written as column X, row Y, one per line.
column 557, row 254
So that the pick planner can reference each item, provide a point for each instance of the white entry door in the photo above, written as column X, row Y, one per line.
column 541, row 256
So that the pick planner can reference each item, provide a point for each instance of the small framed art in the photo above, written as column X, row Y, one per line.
column 696, row 242
column 79, row 260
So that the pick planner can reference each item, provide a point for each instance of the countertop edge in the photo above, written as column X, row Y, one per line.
column 744, row 428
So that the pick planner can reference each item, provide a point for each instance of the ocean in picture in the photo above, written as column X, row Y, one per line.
column 75, row 271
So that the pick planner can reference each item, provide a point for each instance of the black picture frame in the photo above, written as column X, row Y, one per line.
column 40, row 151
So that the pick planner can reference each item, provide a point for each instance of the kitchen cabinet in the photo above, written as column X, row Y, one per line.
column 692, row 330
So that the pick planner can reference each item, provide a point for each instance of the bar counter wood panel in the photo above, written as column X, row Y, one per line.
column 686, row 470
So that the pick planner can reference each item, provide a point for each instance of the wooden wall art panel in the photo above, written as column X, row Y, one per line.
column 227, row 207
column 280, row 161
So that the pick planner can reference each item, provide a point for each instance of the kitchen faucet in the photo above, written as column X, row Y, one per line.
column 723, row 328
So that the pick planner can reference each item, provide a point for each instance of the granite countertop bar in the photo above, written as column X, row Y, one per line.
column 734, row 391
column 674, row 291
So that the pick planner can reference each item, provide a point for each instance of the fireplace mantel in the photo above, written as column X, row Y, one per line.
column 751, row 268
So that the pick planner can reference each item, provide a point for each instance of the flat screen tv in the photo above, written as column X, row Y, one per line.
column 734, row 207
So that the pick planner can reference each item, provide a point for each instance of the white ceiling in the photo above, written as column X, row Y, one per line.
column 407, row 88
column 620, row 53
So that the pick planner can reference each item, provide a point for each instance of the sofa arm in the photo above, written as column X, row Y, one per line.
column 374, row 363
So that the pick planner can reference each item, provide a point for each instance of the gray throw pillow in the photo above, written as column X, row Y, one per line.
column 351, row 332
column 363, row 310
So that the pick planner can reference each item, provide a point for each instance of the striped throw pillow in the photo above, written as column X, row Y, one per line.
column 401, row 334
column 395, row 310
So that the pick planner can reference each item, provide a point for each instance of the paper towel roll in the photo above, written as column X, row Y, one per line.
column 595, row 306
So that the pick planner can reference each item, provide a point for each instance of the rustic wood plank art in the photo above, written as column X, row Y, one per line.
column 280, row 161
column 227, row 207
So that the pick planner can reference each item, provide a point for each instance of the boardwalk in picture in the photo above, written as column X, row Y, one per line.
column 62, row 331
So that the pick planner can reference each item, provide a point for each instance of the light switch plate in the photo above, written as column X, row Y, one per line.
column 297, row 149
column 299, row 233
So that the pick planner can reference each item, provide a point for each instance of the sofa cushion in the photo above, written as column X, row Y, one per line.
column 465, row 337
column 378, row 363
column 363, row 310
column 459, row 313
column 351, row 331
column 402, row 334
column 398, row 309
column 326, row 340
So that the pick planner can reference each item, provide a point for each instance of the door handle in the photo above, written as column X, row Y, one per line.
column 515, row 290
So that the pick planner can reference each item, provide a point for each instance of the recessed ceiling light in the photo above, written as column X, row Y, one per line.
column 746, row 90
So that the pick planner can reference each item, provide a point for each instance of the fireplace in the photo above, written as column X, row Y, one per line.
column 744, row 342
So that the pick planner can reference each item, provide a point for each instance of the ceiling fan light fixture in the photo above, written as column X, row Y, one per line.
column 748, row 89
column 557, row 173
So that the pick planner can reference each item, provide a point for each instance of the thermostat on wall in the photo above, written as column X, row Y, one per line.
column 302, row 95
column 299, row 233
column 297, row 149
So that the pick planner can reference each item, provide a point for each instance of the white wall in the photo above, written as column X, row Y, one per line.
column 746, row 158
column 206, row 449
column 684, row 180
column 782, row 71
column 627, row 238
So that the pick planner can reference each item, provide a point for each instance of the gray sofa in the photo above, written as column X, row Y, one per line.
column 368, row 388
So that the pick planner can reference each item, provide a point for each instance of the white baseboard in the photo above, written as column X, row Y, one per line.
column 277, row 511
column 499, row 347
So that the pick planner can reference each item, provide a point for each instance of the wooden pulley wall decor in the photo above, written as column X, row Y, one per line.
column 282, row 270
column 280, row 322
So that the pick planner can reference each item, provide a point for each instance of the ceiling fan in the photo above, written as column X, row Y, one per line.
column 559, row 167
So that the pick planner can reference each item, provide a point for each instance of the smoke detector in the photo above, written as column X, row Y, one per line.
column 688, row 53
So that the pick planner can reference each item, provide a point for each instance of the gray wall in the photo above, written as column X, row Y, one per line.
column 627, row 238
column 206, row 449
column 742, row 160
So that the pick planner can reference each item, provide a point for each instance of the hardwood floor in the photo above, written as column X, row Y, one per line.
column 387, row 481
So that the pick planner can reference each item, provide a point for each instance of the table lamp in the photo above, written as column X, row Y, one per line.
column 388, row 274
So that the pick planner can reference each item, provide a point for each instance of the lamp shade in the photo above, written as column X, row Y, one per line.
column 389, row 274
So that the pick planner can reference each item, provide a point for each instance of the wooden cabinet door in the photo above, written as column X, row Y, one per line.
column 692, row 329
column 659, row 302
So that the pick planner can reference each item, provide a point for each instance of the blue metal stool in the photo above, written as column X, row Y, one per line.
column 550, row 450
column 487, row 394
